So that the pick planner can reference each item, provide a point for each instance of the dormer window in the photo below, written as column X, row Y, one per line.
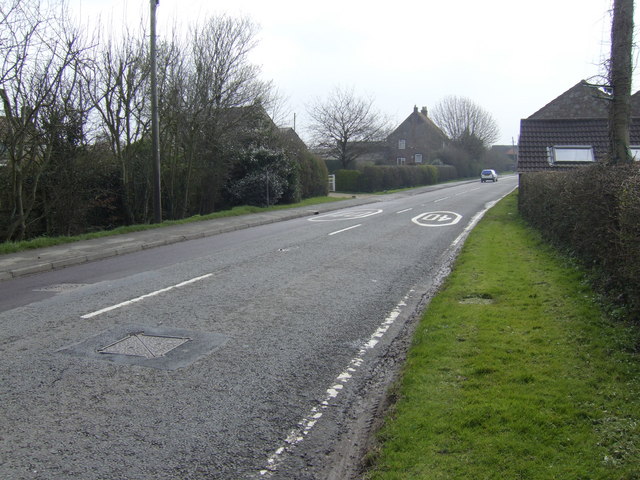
column 571, row 154
column 634, row 150
column 402, row 144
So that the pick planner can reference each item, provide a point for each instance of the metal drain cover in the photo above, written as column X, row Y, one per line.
column 142, row 345
column 163, row 348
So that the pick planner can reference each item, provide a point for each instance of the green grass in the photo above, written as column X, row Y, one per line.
column 514, row 372
column 41, row 242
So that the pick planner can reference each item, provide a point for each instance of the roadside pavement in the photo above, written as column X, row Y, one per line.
column 60, row 256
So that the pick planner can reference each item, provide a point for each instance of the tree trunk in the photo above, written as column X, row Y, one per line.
column 620, row 80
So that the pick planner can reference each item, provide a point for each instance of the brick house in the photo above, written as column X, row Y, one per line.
column 572, row 130
column 414, row 140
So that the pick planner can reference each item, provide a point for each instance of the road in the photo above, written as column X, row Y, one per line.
column 260, row 353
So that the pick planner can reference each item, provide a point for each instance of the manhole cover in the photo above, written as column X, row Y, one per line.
column 141, row 345
column 158, row 347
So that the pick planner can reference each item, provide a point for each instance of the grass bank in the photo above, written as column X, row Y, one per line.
column 41, row 242
column 514, row 372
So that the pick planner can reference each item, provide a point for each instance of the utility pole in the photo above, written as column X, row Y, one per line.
column 155, row 127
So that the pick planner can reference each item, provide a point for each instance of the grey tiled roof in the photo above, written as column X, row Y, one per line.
column 416, row 118
column 580, row 101
column 578, row 117
column 537, row 135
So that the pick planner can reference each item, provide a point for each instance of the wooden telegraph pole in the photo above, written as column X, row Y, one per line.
column 155, row 128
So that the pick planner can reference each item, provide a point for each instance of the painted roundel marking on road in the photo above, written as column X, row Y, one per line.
column 437, row 219
column 350, row 215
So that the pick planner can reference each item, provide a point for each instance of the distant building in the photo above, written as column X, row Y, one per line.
column 413, row 142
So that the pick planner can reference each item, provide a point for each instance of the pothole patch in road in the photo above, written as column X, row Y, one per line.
column 60, row 287
column 161, row 348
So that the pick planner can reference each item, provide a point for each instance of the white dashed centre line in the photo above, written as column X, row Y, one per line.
column 148, row 295
column 345, row 229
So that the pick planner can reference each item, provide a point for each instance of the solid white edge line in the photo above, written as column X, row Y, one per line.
column 345, row 229
column 476, row 218
column 152, row 294
column 298, row 434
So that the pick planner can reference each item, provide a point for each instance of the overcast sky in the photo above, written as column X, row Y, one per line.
column 510, row 57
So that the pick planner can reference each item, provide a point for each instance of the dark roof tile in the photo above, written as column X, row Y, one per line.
column 583, row 100
column 537, row 135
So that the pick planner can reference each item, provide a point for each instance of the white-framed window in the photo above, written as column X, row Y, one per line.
column 635, row 152
column 402, row 144
column 571, row 154
column 418, row 158
column 402, row 160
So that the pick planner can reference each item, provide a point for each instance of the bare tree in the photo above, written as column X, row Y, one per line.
column 216, row 82
column 463, row 121
column 221, row 48
column 276, row 105
column 14, row 29
column 42, row 56
column 620, row 80
column 173, row 83
column 118, row 89
column 342, row 120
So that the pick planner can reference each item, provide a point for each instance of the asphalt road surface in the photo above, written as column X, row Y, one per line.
column 261, row 353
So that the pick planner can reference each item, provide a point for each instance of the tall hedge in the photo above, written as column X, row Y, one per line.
column 378, row 178
column 347, row 180
column 313, row 175
column 446, row 173
column 594, row 213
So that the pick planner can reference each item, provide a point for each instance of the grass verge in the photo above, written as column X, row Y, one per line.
column 514, row 372
column 41, row 242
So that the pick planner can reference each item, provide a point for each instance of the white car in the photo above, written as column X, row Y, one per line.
column 487, row 175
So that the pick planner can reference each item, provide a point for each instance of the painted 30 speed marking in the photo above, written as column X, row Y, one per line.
column 437, row 219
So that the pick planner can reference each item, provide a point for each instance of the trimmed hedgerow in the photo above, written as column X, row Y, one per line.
column 446, row 172
column 347, row 180
column 594, row 213
column 378, row 178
